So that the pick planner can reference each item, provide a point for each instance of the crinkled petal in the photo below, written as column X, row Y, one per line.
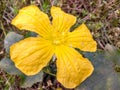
column 31, row 55
column 72, row 68
column 82, row 38
column 31, row 18
column 61, row 20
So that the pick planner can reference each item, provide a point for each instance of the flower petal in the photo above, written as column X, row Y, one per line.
column 31, row 18
column 61, row 20
column 72, row 68
column 31, row 55
column 81, row 38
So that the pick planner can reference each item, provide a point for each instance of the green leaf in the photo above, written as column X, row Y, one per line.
column 30, row 80
column 7, row 65
column 112, row 54
column 30, row 34
column 104, row 76
column 11, row 38
column 26, row 81
column 45, row 4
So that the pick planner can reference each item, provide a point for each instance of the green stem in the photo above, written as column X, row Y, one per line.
column 47, row 70
column 49, row 73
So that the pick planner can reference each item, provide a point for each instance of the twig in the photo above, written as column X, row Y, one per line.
column 2, row 27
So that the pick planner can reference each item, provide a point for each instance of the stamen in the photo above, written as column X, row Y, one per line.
column 58, row 38
column 56, row 42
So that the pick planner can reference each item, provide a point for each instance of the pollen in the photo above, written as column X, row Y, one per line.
column 56, row 42
column 58, row 38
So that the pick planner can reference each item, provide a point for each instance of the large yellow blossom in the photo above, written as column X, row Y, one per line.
column 32, row 54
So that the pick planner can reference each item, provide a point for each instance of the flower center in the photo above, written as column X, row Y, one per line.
column 58, row 37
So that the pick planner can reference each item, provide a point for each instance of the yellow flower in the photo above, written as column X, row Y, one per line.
column 32, row 54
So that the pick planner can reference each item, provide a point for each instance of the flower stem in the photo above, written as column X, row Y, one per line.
column 48, row 73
